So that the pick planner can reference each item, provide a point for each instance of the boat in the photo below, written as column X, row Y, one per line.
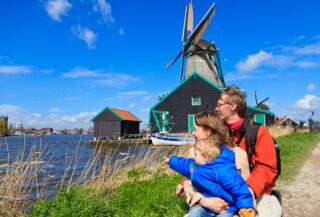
column 167, row 139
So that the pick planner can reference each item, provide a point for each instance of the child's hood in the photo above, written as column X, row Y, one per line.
column 226, row 156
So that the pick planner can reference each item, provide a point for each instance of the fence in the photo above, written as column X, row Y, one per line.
column 314, row 126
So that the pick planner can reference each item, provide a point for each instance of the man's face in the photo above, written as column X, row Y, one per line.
column 223, row 109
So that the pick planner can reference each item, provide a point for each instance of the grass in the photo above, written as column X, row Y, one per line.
column 295, row 149
column 144, row 192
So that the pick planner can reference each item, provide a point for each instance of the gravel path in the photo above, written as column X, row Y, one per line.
column 301, row 197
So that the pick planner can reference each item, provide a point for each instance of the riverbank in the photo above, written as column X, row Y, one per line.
column 148, row 189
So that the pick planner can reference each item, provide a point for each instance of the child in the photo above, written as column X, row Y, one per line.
column 213, row 174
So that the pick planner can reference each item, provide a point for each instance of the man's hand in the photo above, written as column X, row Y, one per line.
column 249, row 212
column 215, row 204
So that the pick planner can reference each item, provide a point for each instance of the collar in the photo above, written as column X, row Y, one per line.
column 234, row 125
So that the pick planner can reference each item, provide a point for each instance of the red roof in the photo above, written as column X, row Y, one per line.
column 125, row 115
column 280, row 120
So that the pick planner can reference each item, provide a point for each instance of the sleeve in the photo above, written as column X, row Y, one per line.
column 265, row 163
column 234, row 184
column 181, row 165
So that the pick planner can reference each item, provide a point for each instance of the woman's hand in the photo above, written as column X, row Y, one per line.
column 215, row 204
column 180, row 191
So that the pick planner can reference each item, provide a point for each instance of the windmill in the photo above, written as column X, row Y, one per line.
column 261, row 103
column 202, row 56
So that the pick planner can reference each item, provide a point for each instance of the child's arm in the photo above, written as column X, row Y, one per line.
column 235, row 185
column 181, row 165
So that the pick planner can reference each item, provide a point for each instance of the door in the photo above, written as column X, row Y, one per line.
column 260, row 118
column 191, row 123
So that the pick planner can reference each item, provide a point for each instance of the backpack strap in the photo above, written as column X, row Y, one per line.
column 251, row 140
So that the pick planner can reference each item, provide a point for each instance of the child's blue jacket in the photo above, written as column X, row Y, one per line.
column 217, row 178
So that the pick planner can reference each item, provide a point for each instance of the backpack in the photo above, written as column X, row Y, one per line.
column 251, row 133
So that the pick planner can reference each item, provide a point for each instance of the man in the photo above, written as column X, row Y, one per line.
column 232, row 108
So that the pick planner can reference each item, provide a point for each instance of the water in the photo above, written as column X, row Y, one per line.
column 50, row 155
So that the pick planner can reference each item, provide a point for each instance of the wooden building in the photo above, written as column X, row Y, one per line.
column 286, row 121
column 175, row 111
column 261, row 116
column 112, row 123
column 3, row 125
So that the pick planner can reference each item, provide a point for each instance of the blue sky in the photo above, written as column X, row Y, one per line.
column 62, row 61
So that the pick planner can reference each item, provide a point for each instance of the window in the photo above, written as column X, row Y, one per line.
column 195, row 101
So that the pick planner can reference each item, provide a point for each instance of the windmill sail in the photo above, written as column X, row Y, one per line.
column 202, row 27
column 188, row 22
column 202, row 55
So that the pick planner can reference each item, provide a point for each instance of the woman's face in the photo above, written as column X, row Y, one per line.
column 200, row 132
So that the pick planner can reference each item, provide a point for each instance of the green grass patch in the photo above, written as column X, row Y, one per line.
column 295, row 149
column 156, row 197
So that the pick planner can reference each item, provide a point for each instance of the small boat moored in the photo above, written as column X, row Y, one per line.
column 158, row 139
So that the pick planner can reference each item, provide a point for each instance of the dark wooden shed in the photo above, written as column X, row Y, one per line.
column 175, row 111
column 112, row 123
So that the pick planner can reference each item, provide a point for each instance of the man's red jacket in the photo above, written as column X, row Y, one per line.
column 262, row 178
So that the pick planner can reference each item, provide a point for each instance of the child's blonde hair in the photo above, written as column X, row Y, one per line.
column 210, row 146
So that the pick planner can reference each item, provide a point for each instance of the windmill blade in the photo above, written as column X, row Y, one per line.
column 255, row 97
column 181, row 68
column 188, row 21
column 202, row 27
column 173, row 61
column 263, row 101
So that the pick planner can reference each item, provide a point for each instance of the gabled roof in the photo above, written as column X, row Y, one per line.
column 281, row 120
column 121, row 114
column 194, row 74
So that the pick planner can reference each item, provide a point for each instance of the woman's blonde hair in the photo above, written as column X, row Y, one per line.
column 210, row 146
column 211, row 121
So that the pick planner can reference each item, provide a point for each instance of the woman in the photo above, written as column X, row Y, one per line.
column 206, row 125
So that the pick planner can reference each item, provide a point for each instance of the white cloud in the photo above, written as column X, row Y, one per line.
column 115, row 80
column 6, row 69
column 306, row 64
column 300, row 110
column 121, row 31
column 17, row 115
column 132, row 93
column 55, row 110
column 57, row 8
column 132, row 105
column 311, row 87
column 86, row 35
column 145, row 110
column 147, row 98
column 80, row 73
column 102, row 78
column 105, row 9
column 312, row 49
column 9, row 109
column 253, row 61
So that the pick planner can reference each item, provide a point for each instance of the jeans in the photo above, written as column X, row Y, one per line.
column 199, row 211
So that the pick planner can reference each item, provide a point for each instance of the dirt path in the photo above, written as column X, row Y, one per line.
column 301, row 197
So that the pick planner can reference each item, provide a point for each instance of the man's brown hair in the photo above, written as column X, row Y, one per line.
column 237, row 97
